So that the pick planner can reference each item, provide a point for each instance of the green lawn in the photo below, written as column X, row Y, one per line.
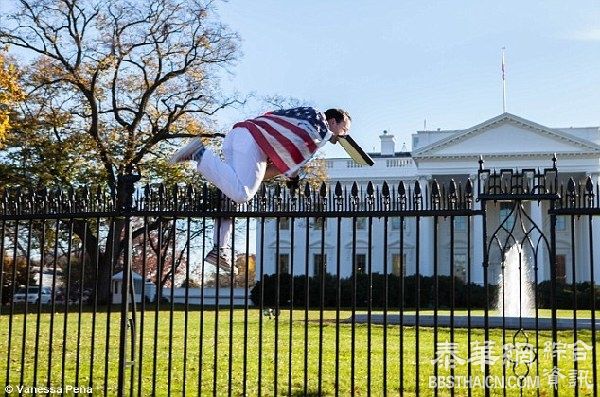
column 186, row 348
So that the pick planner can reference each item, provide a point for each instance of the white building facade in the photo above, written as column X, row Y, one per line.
column 505, row 142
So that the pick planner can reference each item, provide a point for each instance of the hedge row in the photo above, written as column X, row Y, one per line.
column 431, row 292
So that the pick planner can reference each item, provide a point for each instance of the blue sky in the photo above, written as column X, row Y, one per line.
column 393, row 64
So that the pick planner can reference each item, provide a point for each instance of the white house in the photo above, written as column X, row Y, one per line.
column 505, row 141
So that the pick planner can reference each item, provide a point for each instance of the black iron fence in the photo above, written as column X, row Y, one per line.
column 482, row 286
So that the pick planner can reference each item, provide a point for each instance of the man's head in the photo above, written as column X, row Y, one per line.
column 339, row 122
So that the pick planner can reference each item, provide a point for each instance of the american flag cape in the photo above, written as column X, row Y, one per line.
column 289, row 137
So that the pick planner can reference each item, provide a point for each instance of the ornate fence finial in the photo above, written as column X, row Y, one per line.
column 571, row 193
column 86, row 197
column 452, row 196
column 589, row 191
column 401, row 189
column 385, row 190
column 469, row 190
column 175, row 199
column 338, row 191
column 99, row 196
column 354, row 190
column 417, row 190
column 71, row 202
column 277, row 193
column 354, row 200
column 435, row 194
column 323, row 190
column 589, row 185
column 307, row 191
column 481, row 163
column 554, row 162
column 435, row 189
column 4, row 201
column 370, row 189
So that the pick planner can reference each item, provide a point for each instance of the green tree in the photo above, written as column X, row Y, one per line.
column 10, row 93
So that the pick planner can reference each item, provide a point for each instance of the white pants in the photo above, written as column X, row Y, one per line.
column 238, row 177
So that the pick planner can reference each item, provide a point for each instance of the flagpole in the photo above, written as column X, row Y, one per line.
column 503, row 83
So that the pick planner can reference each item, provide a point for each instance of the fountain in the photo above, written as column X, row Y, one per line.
column 515, row 295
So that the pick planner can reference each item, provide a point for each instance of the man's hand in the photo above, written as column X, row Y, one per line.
column 293, row 183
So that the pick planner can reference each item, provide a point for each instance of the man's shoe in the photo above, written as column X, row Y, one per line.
column 193, row 150
column 219, row 257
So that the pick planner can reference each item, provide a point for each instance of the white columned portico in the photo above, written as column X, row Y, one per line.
column 476, row 236
column 426, row 233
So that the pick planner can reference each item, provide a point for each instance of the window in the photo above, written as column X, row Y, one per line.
column 460, row 223
column 361, row 223
column 396, row 223
column 320, row 223
column 460, row 266
column 399, row 264
column 283, row 263
column 361, row 263
column 507, row 215
column 284, row 224
column 320, row 261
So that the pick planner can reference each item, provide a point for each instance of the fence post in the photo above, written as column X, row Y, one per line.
column 125, row 190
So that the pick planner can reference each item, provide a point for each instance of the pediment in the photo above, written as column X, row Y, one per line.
column 507, row 135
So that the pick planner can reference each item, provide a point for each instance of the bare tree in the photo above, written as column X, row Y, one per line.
column 108, row 84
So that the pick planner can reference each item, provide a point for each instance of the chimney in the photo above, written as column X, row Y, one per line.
column 388, row 144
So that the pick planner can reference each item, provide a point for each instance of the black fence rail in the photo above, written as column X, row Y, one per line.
column 480, row 286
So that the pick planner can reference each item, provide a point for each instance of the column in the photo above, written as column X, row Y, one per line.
column 595, row 236
column 537, row 215
column 583, row 255
column 476, row 237
column 426, row 235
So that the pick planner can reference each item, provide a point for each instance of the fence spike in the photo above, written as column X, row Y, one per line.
column 307, row 190
column 354, row 190
column 338, row 190
column 323, row 190
column 99, row 195
column 401, row 189
column 293, row 192
column 370, row 189
column 571, row 187
column 469, row 187
column 18, row 200
column 435, row 189
column 417, row 190
column 86, row 196
column 277, row 193
column 385, row 189
column 589, row 185
column 263, row 191
column 175, row 197
column 452, row 192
